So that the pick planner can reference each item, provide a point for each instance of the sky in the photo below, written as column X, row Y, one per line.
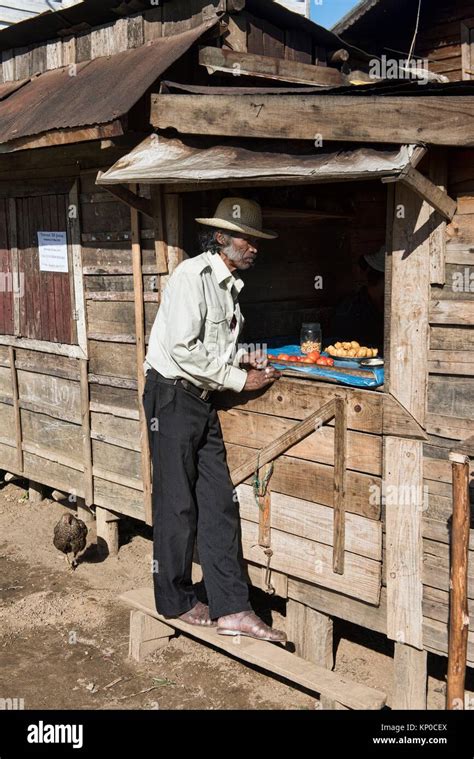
column 328, row 12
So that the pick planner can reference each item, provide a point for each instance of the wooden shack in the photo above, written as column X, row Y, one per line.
column 125, row 176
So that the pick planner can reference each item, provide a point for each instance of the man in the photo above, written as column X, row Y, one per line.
column 360, row 316
column 192, row 352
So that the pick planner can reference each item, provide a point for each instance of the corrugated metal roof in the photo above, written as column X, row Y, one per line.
column 94, row 92
column 354, row 15
column 163, row 160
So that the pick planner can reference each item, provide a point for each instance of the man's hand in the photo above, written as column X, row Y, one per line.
column 255, row 360
column 257, row 379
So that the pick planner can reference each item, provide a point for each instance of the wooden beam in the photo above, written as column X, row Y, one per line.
column 88, row 485
column 16, row 409
column 64, row 137
column 409, row 297
column 432, row 120
column 340, row 452
column 439, row 177
column 428, row 191
column 140, row 348
column 284, row 442
column 131, row 199
column 403, row 479
column 267, row 67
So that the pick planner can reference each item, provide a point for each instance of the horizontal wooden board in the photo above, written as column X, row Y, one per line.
column 315, row 482
column 115, row 430
column 52, row 434
column 118, row 401
column 112, row 318
column 51, row 395
column 308, row 560
column 8, row 458
column 6, row 382
column 297, row 399
column 7, row 423
column 457, row 311
column 119, row 498
column 315, row 522
column 446, row 338
column 364, row 452
column 112, row 359
column 113, row 458
column 47, row 363
column 451, row 396
column 54, row 474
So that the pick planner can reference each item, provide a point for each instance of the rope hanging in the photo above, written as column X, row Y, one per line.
column 260, row 489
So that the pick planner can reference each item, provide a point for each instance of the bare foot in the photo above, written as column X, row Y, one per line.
column 198, row 615
column 247, row 623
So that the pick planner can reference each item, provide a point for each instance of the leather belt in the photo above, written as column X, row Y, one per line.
column 193, row 389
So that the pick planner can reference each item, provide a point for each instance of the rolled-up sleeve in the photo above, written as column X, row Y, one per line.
column 187, row 307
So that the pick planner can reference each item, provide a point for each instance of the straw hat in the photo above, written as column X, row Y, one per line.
column 239, row 215
column 376, row 260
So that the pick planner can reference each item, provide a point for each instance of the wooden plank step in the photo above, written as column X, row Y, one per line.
column 269, row 656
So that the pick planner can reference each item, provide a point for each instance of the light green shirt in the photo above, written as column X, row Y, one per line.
column 191, row 336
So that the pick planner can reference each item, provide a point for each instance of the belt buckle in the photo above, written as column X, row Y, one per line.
column 204, row 395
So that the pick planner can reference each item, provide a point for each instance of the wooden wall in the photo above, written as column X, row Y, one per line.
column 450, row 392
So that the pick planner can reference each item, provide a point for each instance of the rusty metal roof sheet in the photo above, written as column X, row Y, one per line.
column 93, row 92
column 159, row 159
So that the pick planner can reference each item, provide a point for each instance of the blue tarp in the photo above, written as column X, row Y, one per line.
column 326, row 371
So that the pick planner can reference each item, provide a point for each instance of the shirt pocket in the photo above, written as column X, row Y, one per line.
column 217, row 330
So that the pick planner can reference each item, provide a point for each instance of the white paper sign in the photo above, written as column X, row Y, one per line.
column 52, row 248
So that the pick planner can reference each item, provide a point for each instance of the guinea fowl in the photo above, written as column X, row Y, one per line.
column 70, row 535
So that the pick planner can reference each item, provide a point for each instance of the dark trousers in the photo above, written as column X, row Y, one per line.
column 193, row 498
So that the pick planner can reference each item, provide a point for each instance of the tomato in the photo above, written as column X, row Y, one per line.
column 283, row 356
column 330, row 361
column 292, row 358
column 307, row 360
column 314, row 355
column 325, row 361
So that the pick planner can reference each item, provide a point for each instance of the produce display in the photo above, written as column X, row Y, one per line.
column 351, row 349
column 313, row 358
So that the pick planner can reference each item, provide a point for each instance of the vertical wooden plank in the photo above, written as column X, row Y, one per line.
column 17, row 275
column 152, row 24
column 34, row 305
column 8, row 281
column 23, row 59
column 119, row 36
column 410, row 678
column 24, row 259
column 236, row 37
column 403, row 480
column 390, row 215
column 273, row 40
column 410, row 297
column 68, row 280
column 439, row 176
column 340, row 452
column 88, row 484
column 140, row 346
column 83, row 48
column 298, row 46
column 174, row 239
column 466, row 49
column 54, row 54
column 101, row 41
column 38, row 59
column 264, row 502
column 157, row 198
column 254, row 36
column 69, row 50
column 16, row 410
column 458, row 583
column 74, row 226
column 135, row 31
column 46, row 224
column 8, row 65
column 62, row 295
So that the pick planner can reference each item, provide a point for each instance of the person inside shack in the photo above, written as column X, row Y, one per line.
column 362, row 313
column 193, row 354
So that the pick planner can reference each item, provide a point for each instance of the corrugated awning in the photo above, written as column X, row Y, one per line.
column 94, row 92
column 162, row 160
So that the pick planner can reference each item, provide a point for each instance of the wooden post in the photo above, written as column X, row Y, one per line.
column 439, row 176
column 107, row 531
column 160, row 227
column 458, row 606
column 36, row 492
column 16, row 409
column 146, row 635
column 83, row 512
column 140, row 346
column 311, row 633
column 340, row 452
column 264, row 522
column 410, row 678
column 86, row 434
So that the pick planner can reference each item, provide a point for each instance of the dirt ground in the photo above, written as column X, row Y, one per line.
column 64, row 634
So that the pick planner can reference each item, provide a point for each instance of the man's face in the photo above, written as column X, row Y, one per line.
column 241, row 250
